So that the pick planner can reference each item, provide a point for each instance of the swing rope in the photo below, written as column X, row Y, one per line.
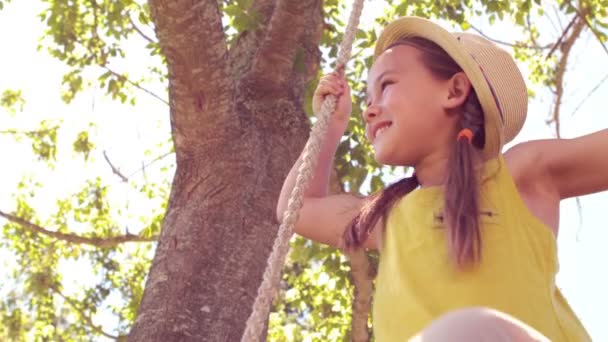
column 359, row 261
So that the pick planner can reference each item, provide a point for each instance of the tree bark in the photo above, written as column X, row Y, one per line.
column 238, row 125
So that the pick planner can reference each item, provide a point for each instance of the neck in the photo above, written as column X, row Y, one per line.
column 431, row 171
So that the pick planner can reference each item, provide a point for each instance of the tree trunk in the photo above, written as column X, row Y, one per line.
column 238, row 125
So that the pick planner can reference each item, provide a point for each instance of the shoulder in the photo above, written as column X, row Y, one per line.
column 527, row 165
column 521, row 160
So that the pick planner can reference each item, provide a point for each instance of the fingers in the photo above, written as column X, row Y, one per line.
column 335, row 84
column 332, row 83
column 337, row 77
column 326, row 88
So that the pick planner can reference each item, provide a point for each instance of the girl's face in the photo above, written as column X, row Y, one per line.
column 408, row 119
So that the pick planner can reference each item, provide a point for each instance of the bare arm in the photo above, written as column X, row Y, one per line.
column 577, row 166
column 568, row 167
column 323, row 218
column 319, row 185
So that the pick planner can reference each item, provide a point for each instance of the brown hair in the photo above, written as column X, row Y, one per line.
column 461, row 187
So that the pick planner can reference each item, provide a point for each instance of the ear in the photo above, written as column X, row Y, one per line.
column 458, row 89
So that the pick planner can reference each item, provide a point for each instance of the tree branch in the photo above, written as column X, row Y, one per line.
column 593, row 30
column 245, row 45
column 198, row 26
column 144, row 166
column 74, row 304
column 120, row 76
column 565, row 48
column 561, row 37
column 529, row 24
column 191, row 36
column 28, row 133
column 138, row 30
column 275, row 58
column 597, row 35
column 590, row 93
column 516, row 45
column 135, row 84
column 100, row 242
column 115, row 170
column 556, row 11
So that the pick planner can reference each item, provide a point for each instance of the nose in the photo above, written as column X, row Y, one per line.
column 370, row 113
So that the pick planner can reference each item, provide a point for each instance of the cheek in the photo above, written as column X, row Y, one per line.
column 417, row 108
column 419, row 121
column 428, row 109
column 418, row 96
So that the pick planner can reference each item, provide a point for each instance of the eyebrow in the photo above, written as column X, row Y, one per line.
column 376, row 81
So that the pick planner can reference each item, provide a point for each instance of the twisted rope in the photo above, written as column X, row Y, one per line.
column 272, row 274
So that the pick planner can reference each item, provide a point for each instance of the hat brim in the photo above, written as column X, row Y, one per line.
column 407, row 27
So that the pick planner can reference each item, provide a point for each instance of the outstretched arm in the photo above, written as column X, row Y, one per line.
column 573, row 167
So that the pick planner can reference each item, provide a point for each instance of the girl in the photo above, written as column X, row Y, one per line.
column 467, row 245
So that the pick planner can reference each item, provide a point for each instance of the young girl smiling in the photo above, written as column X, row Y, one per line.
column 468, row 243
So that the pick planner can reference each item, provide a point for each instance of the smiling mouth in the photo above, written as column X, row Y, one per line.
column 380, row 130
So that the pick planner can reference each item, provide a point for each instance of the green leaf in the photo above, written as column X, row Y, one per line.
column 12, row 100
column 83, row 145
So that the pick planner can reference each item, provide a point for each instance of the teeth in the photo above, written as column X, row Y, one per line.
column 380, row 130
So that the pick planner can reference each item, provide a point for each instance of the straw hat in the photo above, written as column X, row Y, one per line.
column 496, row 79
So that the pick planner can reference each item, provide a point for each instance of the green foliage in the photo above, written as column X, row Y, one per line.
column 12, row 100
column 315, row 296
column 44, row 141
column 2, row 4
column 37, row 302
column 92, row 34
column 39, row 287
column 83, row 145
column 114, row 85
column 597, row 17
column 240, row 17
column 38, row 275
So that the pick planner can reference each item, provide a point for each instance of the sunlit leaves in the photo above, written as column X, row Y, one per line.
column 2, row 4
column 13, row 323
column 240, row 17
column 542, row 69
column 92, row 34
column 12, row 100
column 37, row 273
column 315, row 296
column 88, row 213
column 597, row 19
column 114, row 85
column 72, row 84
column 88, row 37
column 83, row 145
column 44, row 141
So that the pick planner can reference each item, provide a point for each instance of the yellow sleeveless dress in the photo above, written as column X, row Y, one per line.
column 416, row 282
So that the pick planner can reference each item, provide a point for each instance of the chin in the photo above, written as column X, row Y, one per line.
column 390, row 160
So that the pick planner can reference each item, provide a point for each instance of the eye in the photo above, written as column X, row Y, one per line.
column 385, row 83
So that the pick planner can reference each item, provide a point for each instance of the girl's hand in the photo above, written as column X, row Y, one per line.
column 336, row 84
